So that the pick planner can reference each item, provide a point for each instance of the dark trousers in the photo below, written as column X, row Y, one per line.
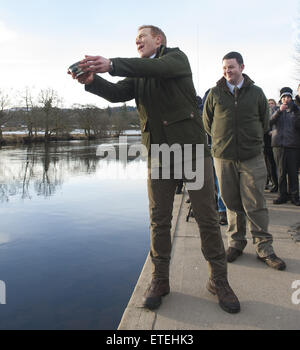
column 161, row 197
column 271, row 166
column 287, row 165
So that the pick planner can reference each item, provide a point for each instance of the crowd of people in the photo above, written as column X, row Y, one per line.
column 281, row 150
column 235, row 114
column 282, row 146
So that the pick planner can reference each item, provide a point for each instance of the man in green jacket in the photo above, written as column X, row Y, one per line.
column 161, row 83
column 236, row 115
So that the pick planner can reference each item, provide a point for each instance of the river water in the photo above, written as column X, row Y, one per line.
column 74, row 235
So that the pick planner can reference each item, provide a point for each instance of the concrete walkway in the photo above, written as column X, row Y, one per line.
column 265, row 294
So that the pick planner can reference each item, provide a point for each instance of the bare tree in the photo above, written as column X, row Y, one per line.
column 83, row 118
column 93, row 120
column 30, row 116
column 120, row 121
column 50, row 102
column 4, row 113
column 100, row 122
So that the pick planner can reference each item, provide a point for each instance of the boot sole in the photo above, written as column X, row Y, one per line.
column 153, row 303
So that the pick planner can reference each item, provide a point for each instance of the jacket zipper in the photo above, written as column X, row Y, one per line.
column 236, row 122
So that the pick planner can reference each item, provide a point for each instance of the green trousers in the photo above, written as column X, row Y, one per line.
column 242, row 190
column 161, row 197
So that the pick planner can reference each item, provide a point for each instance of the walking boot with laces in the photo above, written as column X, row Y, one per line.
column 157, row 289
column 273, row 261
column 227, row 299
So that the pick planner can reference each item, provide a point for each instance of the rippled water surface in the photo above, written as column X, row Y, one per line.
column 73, row 235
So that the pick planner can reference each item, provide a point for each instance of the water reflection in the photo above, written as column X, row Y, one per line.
column 73, row 238
column 42, row 169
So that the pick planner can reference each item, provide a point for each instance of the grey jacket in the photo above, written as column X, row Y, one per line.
column 286, row 127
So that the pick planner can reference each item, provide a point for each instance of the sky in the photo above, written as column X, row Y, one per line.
column 39, row 39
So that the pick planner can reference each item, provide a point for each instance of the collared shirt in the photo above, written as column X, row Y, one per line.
column 231, row 87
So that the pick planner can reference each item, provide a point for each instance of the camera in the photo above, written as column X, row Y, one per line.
column 75, row 69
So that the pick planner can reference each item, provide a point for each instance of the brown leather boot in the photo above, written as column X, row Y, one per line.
column 153, row 295
column 273, row 261
column 232, row 254
column 227, row 299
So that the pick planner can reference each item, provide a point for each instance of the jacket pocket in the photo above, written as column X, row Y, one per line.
column 184, row 131
column 173, row 119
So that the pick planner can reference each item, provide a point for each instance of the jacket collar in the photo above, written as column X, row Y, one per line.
column 222, row 83
column 160, row 51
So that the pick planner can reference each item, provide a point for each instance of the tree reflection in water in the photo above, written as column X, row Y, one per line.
column 41, row 169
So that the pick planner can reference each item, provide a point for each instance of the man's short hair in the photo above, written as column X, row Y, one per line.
column 155, row 31
column 236, row 55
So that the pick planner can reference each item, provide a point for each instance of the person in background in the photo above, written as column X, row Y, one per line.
column 161, row 83
column 285, row 123
column 297, row 98
column 220, row 204
column 236, row 115
column 297, row 101
column 268, row 153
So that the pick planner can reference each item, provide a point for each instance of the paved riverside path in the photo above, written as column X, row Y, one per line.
column 265, row 294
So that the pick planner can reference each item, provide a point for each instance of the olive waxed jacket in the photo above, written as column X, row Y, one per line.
column 164, row 93
column 236, row 124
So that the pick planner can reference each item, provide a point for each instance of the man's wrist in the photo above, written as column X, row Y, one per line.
column 111, row 66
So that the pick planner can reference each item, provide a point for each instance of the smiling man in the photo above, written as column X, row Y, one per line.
column 161, row 83
column 236, row 115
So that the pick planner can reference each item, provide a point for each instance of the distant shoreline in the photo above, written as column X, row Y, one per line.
column 15, row 138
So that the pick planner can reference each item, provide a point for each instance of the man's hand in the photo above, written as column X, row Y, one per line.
column 85, row 79
column 283, row 107
column 95, row 64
